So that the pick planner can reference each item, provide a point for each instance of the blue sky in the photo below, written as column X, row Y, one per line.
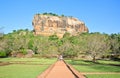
column 98, row 15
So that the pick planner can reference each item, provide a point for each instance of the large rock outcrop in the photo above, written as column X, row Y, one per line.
column 47, row 25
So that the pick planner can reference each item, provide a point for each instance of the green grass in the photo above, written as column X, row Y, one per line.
column 85, row 62
column 34, row 66
column 88, row 66
column 21, row 71
column 31, row 69
column 100, row 66
column 108, row 62
column 103, row 76
column 97, row 68
column 29, row 60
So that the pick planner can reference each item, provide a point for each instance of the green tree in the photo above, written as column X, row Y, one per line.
column 3, row 54
column 95, row 47
column 30, row 44
column 53, row 37
column 115, row 45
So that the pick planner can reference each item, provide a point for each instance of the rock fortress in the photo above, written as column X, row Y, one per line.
column 46, row 25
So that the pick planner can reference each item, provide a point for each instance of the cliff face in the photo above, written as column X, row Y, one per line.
column 47, row 25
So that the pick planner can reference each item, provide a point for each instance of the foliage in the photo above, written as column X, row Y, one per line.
column 66, row 35
column 53, row 37
column 96, row 45
column 63, row 15
column 2, row 54
column 115, row 44
column 53, row 14
column 30, row 44
column 24, row 51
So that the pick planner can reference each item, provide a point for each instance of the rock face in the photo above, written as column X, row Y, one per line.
column 47, row 25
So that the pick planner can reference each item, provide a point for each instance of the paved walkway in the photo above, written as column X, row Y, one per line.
column 60, row 70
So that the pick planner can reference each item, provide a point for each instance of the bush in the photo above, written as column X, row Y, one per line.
column 70, row 53
column 24, row 51
column 53, row 37
column 2, row 54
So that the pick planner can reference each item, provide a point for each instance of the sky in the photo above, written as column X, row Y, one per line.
column 99, row 15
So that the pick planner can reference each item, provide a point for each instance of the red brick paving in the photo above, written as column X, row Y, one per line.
column 60, row 70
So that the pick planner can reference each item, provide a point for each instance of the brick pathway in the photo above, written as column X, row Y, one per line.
column 60, row 70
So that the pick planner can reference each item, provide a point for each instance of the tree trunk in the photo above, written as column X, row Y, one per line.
column 94, row 59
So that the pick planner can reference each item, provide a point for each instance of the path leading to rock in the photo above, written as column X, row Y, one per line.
column 60, row 70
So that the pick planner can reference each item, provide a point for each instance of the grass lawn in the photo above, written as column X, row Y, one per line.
column 21, row 71
column 30, row 70
column 32, row 67
column 101, row 66
column 88, row 66
column 97, row 68
column 103, row 76
column 29, row 60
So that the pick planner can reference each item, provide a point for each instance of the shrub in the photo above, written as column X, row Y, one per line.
column 24, row 51
column 2, row 54
column 53, row 37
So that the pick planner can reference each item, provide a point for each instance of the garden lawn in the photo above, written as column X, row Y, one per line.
column 97, row 68
column 29, row 60
column 21, row 71
column 100, row 66
column 88, row 66
column 103, row 76
column 24, row 67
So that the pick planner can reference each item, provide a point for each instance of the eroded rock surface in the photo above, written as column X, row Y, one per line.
column 47, row 25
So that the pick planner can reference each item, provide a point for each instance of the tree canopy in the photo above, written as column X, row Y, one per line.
column 95, row 45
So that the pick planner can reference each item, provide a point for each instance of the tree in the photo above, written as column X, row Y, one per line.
column 30, row 44
column 96, row 45
column 62, row 15
column 66, row 35
column 115, row 45
column 53, row 37
column 67, row 49
column 3, row 54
